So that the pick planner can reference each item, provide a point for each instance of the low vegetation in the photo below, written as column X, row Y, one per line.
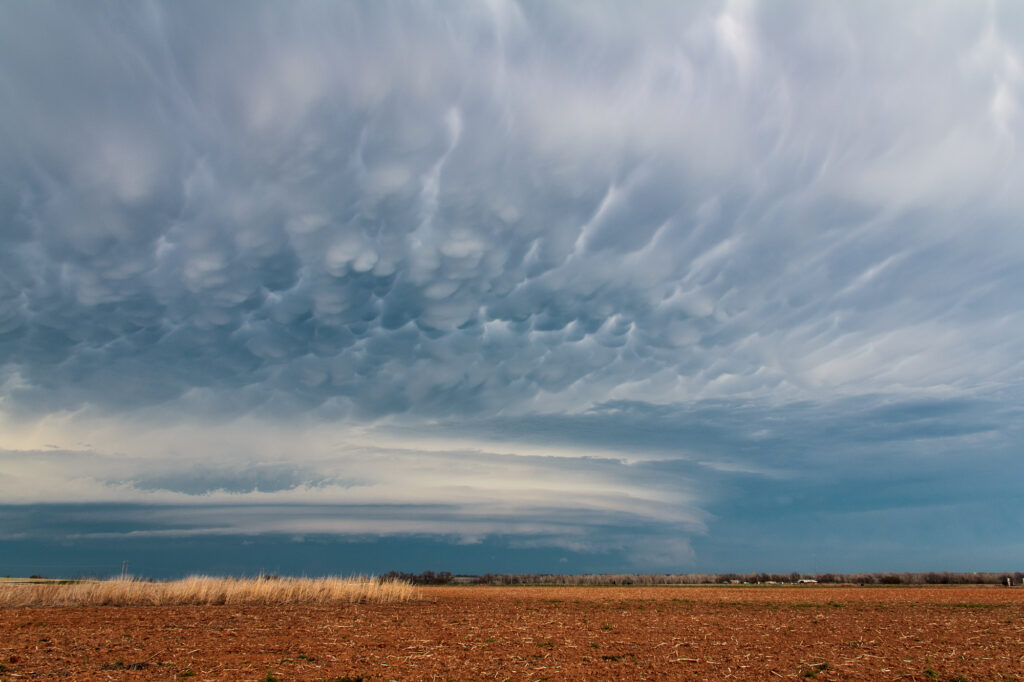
column 203, row 590
column 617, row 579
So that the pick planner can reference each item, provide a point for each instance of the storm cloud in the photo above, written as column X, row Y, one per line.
column 635, row 264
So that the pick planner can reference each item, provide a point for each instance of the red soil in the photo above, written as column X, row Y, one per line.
column 524, row 633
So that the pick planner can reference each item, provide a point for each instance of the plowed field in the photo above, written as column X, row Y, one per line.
column 524, row 633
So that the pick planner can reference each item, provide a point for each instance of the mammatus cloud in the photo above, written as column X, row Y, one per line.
column 325, row 205
column 472, row 222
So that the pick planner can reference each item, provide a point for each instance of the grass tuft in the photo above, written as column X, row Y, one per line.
column 204, row 590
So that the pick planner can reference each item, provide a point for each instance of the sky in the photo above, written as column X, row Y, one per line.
column 346, row 287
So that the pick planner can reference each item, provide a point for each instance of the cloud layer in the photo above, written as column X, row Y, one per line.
column 508, row 227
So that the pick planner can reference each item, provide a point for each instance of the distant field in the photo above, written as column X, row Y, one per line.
column 535, row 633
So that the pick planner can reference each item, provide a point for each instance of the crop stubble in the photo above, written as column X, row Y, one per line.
column 471, row 633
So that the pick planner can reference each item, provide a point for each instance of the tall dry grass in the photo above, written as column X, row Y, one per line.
column 204, row 590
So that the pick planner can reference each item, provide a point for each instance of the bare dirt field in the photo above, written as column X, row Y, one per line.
column 534, row 633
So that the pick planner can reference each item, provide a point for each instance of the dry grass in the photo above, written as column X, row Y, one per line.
column 206, row 590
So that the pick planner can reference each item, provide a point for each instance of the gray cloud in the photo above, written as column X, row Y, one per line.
column 624, row 228
column 335, row 203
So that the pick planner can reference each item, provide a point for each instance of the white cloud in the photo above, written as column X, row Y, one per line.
column 344, row 486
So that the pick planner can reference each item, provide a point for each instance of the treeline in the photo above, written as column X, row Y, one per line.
column 932, row 578
column 426, row 577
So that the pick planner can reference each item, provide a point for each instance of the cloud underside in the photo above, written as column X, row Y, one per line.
column 369, row 212
column 509, row 268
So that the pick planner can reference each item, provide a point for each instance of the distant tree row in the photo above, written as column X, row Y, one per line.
column 424, row 578
column 932, row 578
